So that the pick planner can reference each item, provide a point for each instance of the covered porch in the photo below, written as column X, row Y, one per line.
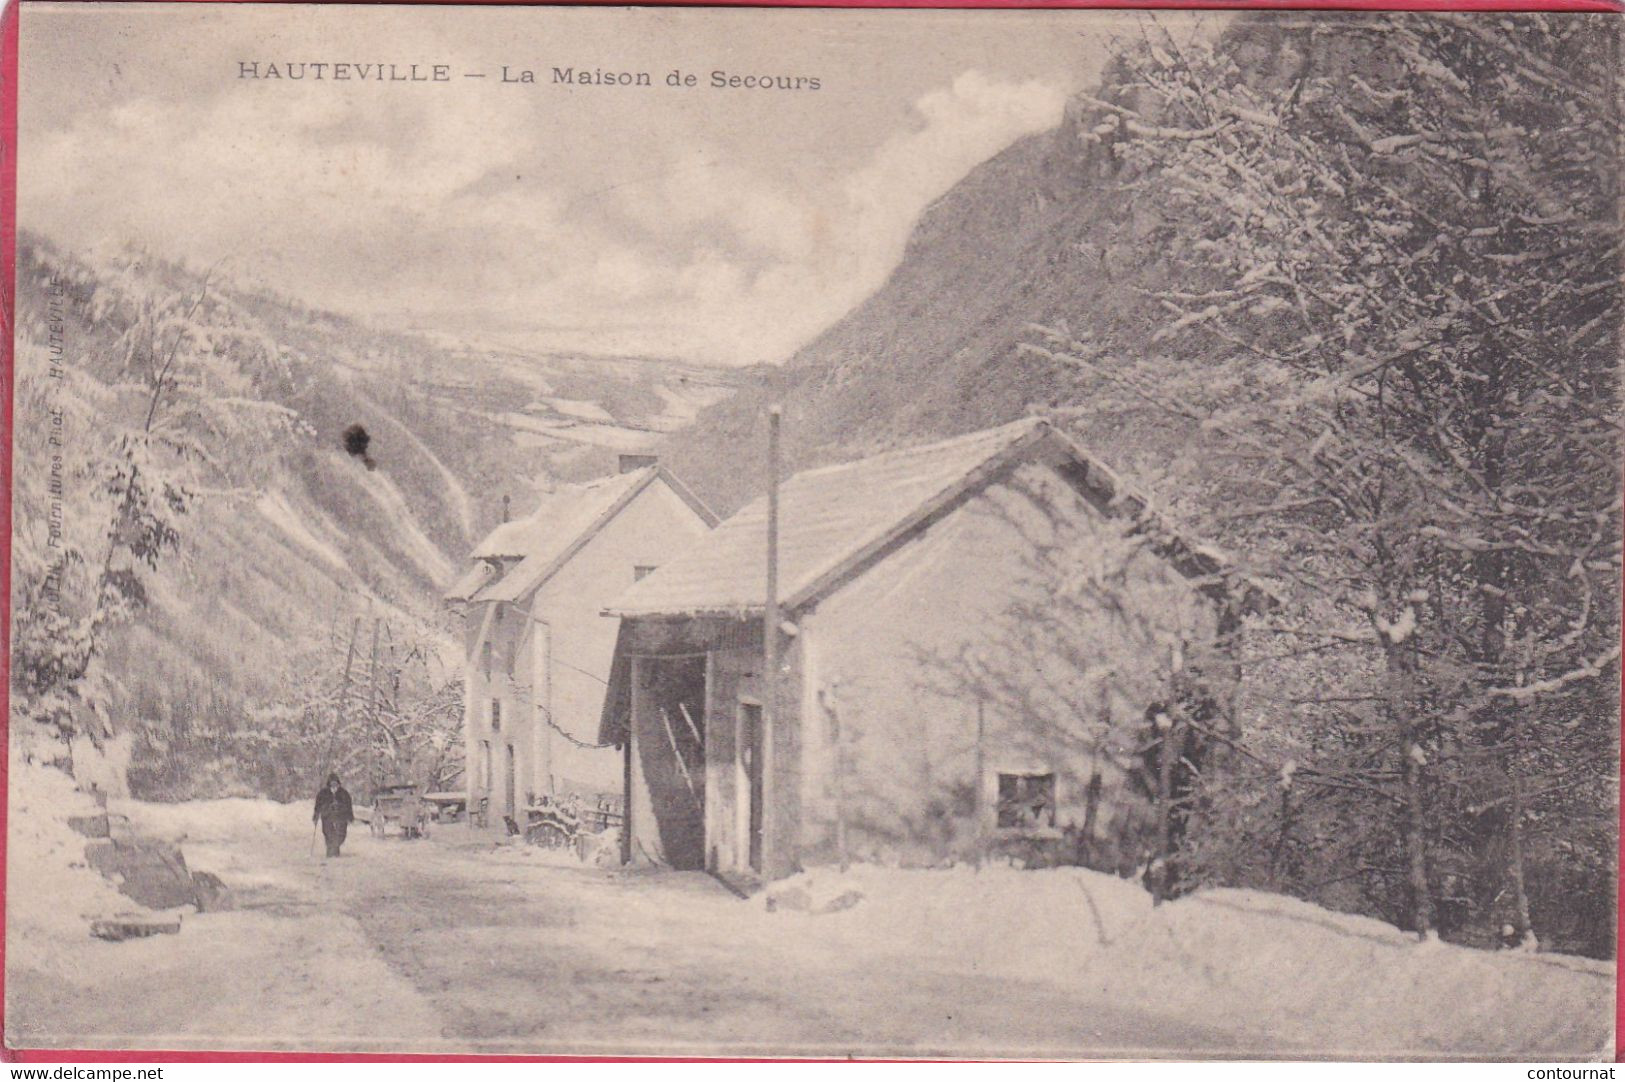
column 686, row 708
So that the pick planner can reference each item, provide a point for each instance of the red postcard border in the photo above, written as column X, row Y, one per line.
column 9, row 30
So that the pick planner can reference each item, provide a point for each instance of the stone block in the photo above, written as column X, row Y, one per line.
column 210, row 893
column 91, row 826
column 152, row 873
column 118, row 929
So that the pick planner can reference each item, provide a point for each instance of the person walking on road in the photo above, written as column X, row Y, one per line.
column 334, row 812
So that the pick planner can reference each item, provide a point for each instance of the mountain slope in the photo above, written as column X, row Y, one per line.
column 934, row 351
column 1049, row 232
column 287, row 539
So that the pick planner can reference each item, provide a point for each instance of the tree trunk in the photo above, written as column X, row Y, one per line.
column 1524, row 927
column 1412, row 763
column 1498, row 571
column 1415, row 844
column 1091, row 811
column 1278, row 853
column 1167, row 755
column 1520, row 895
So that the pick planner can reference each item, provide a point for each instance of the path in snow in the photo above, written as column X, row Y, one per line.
column 515, row 953
column 456, row 943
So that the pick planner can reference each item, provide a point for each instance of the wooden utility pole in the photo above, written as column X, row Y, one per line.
column 372, row 709
column 344, row 701
column 770, row 641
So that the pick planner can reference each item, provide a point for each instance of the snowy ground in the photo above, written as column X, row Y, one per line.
column 460, row 943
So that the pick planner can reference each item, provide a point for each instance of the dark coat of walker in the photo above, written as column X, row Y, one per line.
column 334, row 810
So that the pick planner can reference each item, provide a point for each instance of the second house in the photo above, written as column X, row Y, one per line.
column 537, row 650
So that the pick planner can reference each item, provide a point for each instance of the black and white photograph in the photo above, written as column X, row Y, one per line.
column 752, row 532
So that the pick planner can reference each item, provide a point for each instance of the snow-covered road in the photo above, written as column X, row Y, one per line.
column 519, row 954
column 460, row 943
column 457, row 943
column 509, row 951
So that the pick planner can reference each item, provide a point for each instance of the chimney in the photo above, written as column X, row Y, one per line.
column 504, row 509
column 637, row 462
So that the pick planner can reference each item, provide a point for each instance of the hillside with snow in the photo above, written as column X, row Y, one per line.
column 1048, row 233
column 1030, row 236
column 272, row 540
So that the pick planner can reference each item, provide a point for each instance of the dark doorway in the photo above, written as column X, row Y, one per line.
column 750, row 760
column 508, row 785
column 671, row 752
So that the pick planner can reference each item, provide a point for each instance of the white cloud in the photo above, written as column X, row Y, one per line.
column 387, row 204
column 964, row 124
column 842, row 239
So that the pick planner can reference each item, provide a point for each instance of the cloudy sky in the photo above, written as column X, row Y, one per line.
column 720, row 225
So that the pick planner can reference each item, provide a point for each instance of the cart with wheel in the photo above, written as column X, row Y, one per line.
column 402, row 808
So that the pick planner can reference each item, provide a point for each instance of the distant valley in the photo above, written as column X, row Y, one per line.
column 289, row 539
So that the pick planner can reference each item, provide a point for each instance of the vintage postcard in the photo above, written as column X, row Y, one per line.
column 978, row 534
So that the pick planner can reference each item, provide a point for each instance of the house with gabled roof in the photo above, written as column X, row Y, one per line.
column 537, row 652
column 972, row 635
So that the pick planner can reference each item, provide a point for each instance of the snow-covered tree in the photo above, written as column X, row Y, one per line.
column 121, row 437
column 374, row 704
column 1389, row 273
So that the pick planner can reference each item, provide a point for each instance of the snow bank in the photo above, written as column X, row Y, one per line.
column 237, row 838
column 1336, row 984
column 217, row 821
column 270, row 983
column 52, row 894
column 238, row 979
column 1047, row 924
column 1286, row 974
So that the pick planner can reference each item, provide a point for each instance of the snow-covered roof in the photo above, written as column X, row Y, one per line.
column 469, row 583
column 509, row 540
column 834, row 521
column 519, row 556
column 828, row 518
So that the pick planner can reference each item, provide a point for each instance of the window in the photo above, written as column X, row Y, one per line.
column 485, row 764
column 486, row 658
column 642, row 571
column 496, row 715
column 1026, row 801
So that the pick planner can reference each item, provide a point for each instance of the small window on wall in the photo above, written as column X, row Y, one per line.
column 642, row 571
column 496, row 715
column 1026, row 801
column 485, row 658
